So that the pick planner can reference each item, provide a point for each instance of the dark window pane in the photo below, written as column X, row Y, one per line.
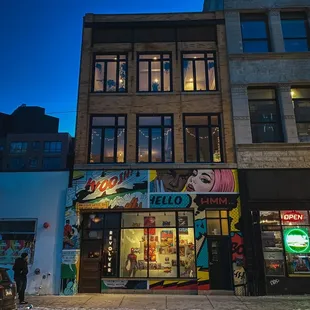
column 95, row 146
column 302, row 110
column 197, row 120
column 51, row 163
column 296, row 45
column 268, row 132
column 191, row 145
column 156, row 144
column 33, row 163
column 17, row 226
column 193, row 56
column 143, row 151
column 120, row 145
column 18, row 147
column 294, row 28
column 149, row 120
column 167, row 76
column 211, row 75
column 263, row 111
column 204, row 146
column 303, row 130
column 111, row 77
column 99, row 77
column 121, row 121
column 254, row 29
column 143, row 76
column 200, row 75
column 168, row 145
column 108, row 151
column 261, row 93
column 167, row 121
column 216, row 142
column 188, row 75
column 255, row 46
column 150, row 57
column 104, row 121
column 155, row 76
column 214, row 120
column 106, row 57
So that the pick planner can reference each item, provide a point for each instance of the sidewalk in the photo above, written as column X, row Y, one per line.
column 168, row 302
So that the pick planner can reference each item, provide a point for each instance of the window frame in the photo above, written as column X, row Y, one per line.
column 115, row 127
column 279, row 123
column 149, row 61
column 209, row 127
column 256, row 17
column 22, row 150
column 296, row 16
column 105, row 61
column 205, row 59
column 49, row 151
column 162, row 126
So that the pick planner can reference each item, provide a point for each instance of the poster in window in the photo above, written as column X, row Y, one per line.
column 166, row 238
column 149, row 221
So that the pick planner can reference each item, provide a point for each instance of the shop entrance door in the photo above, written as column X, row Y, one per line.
column 220, row 263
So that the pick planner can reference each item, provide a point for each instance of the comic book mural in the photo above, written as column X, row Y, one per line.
column 195, row 189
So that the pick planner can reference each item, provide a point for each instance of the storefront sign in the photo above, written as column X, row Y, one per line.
column 110, row 253
column 170, row 201
column 296, row 240
column 292, row 216
column 92, row 206
column 70, row 257
column 216, row 201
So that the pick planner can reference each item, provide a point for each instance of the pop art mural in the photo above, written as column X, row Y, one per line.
column 195, row 189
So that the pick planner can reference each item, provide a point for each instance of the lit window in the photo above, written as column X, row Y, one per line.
column 18, row 147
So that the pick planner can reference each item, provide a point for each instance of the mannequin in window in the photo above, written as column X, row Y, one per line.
column 131, row 264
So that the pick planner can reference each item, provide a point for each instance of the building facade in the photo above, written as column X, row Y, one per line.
column 154, row 202
column 30, row 141
column 268, row 46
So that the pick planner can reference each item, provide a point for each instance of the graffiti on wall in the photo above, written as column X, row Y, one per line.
column 198, row 189
column 124, row 284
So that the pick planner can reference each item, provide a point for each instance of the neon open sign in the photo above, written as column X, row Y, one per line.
column 293, row 216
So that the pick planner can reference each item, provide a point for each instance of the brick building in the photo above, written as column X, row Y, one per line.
column 154, row 136
column 268, row 46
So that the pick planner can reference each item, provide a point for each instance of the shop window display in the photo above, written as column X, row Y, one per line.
column 285, row 242
column 157, row 245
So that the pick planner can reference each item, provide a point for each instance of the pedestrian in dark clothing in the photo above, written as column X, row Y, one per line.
column 20, row 269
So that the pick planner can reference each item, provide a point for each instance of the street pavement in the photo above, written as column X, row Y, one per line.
column 167, row 302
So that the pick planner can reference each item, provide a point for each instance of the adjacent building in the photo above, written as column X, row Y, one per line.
column 154, row 202
column 268, row 46
column 30, row 141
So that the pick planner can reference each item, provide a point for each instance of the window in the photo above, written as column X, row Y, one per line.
column 18, row 147
column 33, row 163
column 110, row 73
column 157, row 245
column 295, row 29
column 17, row 163
column 301, row 104
column 265, row 116
column 51, row 163
column 255, row 36
column 217, row 223
column 285, row 242
column 202, row 138
column 52, row 147
column 36, row 145
column 199, row 71
column 155, row 138
column 17, row 237
column 107, row 139
column 154, row 72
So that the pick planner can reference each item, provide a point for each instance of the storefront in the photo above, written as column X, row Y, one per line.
column 153, row 230
column 275, row 212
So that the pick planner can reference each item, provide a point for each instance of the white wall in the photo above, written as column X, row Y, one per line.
column 40, row 196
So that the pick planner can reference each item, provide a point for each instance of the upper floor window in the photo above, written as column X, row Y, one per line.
column 110, row 73
column 52, row 147
column 265, row 116
column 255, row 36
column 202, row 138
column 33, row 162
column 155, row 139
column 295, row 29
column 18, row 147
column 199, row 71
column 51, row 163
column 154, row 72
column 36, row 145
column 301, row 104
column 107, row 139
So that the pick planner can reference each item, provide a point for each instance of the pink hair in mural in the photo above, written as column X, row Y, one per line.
column 211, row 180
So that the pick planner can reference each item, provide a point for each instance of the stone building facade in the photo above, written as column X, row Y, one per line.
column 268, row 44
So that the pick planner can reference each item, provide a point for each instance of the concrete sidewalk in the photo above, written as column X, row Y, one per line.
column 168, row 302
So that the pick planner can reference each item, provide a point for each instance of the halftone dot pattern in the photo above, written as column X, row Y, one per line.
column 235, row 216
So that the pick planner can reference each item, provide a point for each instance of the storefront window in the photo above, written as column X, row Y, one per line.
column 285, row 242
column 217, row 223
column 157, row 245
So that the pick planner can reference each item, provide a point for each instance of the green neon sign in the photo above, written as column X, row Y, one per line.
column 296, row 240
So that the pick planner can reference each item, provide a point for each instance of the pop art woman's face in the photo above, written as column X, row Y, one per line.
column 201, row 181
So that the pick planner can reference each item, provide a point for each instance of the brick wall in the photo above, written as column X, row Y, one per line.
column 132, row 103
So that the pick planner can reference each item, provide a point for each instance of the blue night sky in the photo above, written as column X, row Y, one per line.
column 40, row 49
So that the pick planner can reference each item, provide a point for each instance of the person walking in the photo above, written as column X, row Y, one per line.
column 20, row 269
